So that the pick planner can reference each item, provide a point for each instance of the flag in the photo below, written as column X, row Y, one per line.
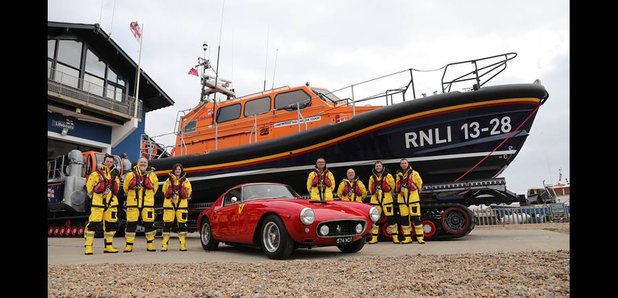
column 193, row 71
column 136, row 30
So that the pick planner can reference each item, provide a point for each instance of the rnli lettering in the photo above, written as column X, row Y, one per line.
column 428, row 137
column 468, row 131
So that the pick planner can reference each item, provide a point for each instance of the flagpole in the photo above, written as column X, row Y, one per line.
column 139, row 62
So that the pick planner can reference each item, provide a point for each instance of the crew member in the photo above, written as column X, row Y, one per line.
column 140, row 185
column 102, row 187
column 351, row 189
column 408, row 186
column 320, row 182
column 381, row 183
column 177, row 192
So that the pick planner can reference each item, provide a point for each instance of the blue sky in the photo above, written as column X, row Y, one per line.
column 333, row 44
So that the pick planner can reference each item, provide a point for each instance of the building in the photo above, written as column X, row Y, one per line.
column 91, row 90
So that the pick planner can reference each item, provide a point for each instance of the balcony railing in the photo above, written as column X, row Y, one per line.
column 62, row 84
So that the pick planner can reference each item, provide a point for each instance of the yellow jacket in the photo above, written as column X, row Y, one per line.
column 378, row 184
column 324, row 181
column 347, row 190
column 141, row 187
column 96, row 185
column 178, row 192
column 406, row 181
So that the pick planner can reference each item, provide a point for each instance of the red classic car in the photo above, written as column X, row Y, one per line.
column 274, row 217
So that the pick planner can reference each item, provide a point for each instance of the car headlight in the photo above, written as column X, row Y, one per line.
column 374, row 214
column 307, row 216
column 359, row 228
column 324, row 230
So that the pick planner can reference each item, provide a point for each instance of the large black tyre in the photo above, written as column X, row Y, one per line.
column 456, row 221
column 274, row 238
column 208, row 242
column 353, row 247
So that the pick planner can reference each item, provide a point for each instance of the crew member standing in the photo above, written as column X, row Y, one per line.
column 320, row 182
column 177, row 192
column 140, row 186
column 102, row 187
column 351, row 189
column 381, row 183
column 408, row 186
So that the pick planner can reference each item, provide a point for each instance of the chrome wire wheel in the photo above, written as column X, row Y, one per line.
column 271, row 237
column 205, row 233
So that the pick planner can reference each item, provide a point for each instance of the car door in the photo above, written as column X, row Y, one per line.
column 222, row 217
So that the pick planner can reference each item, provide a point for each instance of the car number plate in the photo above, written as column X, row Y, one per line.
column 343, row 240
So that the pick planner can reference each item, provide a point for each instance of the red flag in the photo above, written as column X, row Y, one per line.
column 193, row 71
column 136, row 30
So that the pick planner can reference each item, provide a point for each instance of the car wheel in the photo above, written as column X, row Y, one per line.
column 353, row 247
column 275, row 241
column 208, row 242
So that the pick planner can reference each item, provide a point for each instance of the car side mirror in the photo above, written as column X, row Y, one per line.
column 234, row 199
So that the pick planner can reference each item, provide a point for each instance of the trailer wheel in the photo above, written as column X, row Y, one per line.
column 456, row 221
column 429, row 228
column 385, row 232
column 61, row 231
column 50, row 231
column 74, row 231
column 80, row 231
column 56, row 231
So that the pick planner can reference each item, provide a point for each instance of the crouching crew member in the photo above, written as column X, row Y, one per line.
column 102, row 187
column 177, row 192
column 381, row 184
column 320, row 182
column 408, row 186
column 351, row 189
column 140, row 186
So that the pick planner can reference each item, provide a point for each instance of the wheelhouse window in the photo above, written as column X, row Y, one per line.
column 326, row 95
column 190, row 127
column 288, row 100
column 228, row 113
column 257, row 106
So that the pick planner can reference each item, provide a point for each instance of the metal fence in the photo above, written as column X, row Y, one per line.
column 535, row 214
column 65, row 84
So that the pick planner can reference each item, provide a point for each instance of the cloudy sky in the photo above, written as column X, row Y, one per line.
column 332, row 44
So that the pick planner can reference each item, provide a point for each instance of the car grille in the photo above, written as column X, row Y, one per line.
column 340, row 228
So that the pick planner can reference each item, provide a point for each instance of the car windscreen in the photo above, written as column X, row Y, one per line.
column 267, row 191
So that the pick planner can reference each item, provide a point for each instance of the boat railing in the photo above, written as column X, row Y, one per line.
column 482, row 71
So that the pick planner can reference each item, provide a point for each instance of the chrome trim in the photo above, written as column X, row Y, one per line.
column 317, row 232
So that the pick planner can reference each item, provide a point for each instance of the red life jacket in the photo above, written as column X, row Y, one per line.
column 321, row 177
column 354, row 188
column 381, row 182
column 105, row 183
column 180, row 190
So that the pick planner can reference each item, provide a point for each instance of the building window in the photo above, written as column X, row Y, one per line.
column 190, row 127
column 257, row 106
column 49, row 69
column 70, row 52
column 285, row 100
column 93, row 85
column 115, row 86
column 66, row 75
column 51, row 48
column 94, row 65
column 228, row 113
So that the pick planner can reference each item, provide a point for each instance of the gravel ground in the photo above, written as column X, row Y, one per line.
column 523, row 274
